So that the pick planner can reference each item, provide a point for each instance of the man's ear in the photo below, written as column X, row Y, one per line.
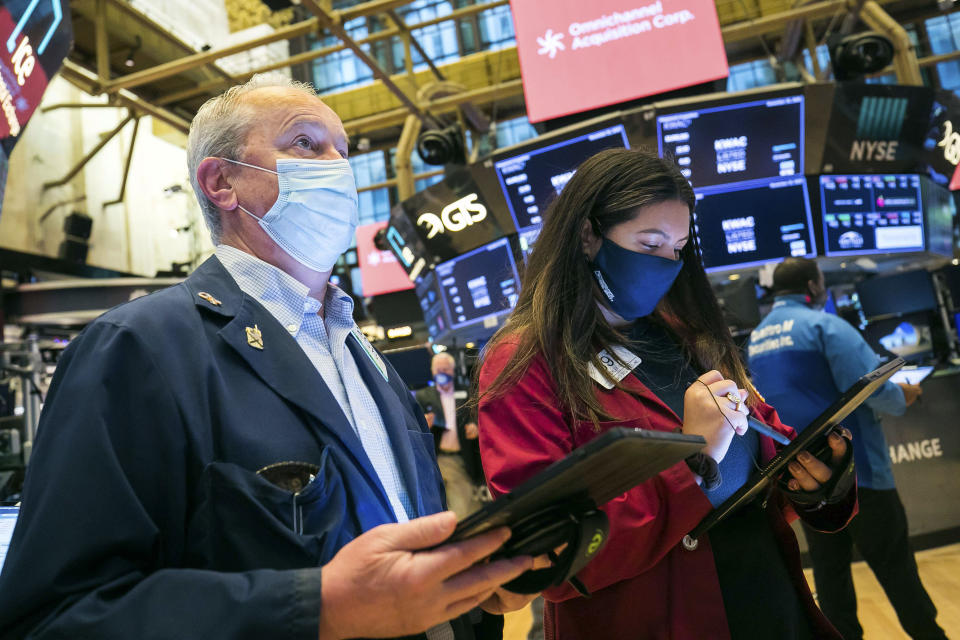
column 214, row 185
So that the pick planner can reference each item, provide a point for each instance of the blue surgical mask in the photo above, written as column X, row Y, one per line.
column 633, row 283
column 442, row 379
column 316, row 212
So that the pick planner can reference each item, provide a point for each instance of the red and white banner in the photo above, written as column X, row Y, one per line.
column 578, row 55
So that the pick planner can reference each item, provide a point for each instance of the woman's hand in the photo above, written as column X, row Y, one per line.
column 809, row 473
column 707, row 412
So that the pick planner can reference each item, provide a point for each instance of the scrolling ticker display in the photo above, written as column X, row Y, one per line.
column 532, row 180
column 871, row 214
column 745, row 162
column 479, row 285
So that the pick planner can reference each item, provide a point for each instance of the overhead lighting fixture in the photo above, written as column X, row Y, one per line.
column 400, row 332
column 129, row 62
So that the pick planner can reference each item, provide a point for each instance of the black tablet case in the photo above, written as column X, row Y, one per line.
column 599, row 471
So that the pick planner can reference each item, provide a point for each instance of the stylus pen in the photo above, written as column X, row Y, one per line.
column 759, row 427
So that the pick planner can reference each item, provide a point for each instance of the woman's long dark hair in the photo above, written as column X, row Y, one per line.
column 557, row 314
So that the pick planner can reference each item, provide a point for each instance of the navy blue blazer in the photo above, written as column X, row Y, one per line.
column 142, row 513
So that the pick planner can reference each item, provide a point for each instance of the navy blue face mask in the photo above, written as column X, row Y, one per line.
column 633, row 283
column 442, row 379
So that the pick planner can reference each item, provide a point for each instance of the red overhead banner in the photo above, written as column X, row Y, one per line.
column 578, row 55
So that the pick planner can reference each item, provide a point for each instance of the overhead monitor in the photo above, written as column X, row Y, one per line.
column 531, row 180
column 751, row 225
column 380, row 271
column 431, row 303
column 866, row 214
column 897, row 293
column 413, row 365
column 907, row 336
column 742, row 142
column 8, row 520
column 527, row 239
column 576, row 55
column 939, row 213
column 480, row 285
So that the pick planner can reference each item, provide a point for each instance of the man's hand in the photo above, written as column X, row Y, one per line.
column 388, row 582
column 430, row 418
column 471, row 431
column 910, row 392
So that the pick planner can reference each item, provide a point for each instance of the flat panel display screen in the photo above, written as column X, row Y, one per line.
column 898, row 293
column 380, row 271
column 431, row 303
column 8, row 520
column 479, row 285
column 908, row 337
column 734, row 143
column 865, row 214
column 748, row 226
column 576, row 55
column 532, row 180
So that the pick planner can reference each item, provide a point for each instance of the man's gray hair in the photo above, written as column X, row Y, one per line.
column 220, row 130
column 443, row 356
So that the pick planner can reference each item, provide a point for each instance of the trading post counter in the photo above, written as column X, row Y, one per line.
column 924, row 447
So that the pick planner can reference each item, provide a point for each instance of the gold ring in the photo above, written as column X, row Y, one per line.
column 735, row 398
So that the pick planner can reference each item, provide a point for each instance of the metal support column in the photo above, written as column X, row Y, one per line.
column 406, row 186
column 812, row 48
column 85, row 159
column 126, row 168
column 102, row 41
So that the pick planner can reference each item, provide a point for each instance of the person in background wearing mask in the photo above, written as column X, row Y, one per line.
column 229, row 458
column 802, row 359
column 616, row 326
column 455, row 435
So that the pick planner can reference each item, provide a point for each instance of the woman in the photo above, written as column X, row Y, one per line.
column 617, row 268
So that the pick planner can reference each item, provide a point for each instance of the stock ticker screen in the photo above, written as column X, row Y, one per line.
column 431, row 303
column 745, row 162
column 479, row 285
column 735, row 143
column 532, row 180
column 753, row 225
column 864, row 214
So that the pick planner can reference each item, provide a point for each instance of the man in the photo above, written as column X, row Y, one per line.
column 229, row 458
column 802, row 359
column 455, row 436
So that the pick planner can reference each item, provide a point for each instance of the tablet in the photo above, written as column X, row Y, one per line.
column 601, row 470
column 8, row 519
column 807, row 439
column 911, row 375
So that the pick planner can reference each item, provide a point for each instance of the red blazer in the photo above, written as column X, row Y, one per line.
column 645, row 584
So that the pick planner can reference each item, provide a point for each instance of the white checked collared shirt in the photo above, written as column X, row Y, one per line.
column 324, row 341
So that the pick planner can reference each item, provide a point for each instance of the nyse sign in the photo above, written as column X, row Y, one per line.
column 454, row 217
column 874, row 150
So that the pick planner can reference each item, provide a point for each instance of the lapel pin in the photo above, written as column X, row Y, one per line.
column 203, row 295
column 254, row 337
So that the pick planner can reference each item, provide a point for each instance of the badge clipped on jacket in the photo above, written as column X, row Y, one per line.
column 628, row 361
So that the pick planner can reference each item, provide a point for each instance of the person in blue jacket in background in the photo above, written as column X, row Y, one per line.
column 802, row 359
column 229, row 457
